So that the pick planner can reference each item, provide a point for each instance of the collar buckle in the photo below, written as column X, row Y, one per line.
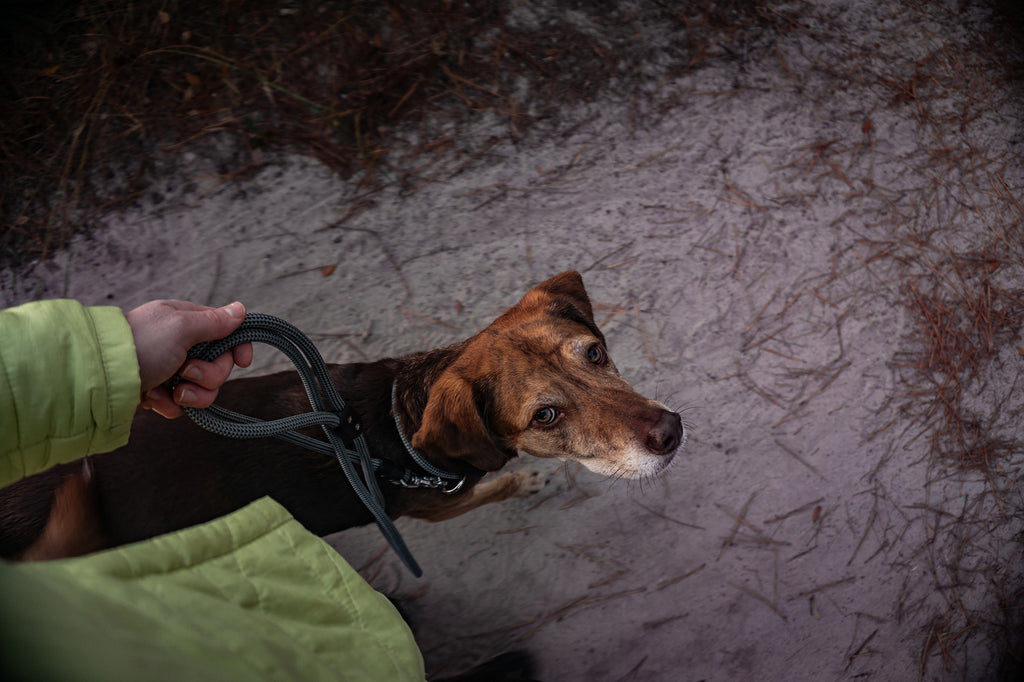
column 408, row 479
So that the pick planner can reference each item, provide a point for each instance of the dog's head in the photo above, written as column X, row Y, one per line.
column 539, row 379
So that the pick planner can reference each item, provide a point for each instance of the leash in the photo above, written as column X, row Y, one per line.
column 417, row 456
column 345, row 440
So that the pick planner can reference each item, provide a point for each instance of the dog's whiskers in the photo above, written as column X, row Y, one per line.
column 620, row 473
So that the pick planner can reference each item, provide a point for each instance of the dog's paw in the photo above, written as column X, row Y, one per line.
column 531, row 482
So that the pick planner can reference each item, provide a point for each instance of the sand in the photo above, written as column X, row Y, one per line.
column 773, row 243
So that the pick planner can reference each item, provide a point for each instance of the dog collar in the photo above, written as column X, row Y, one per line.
column 437, row 477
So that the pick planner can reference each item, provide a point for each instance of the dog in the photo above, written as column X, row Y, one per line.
column 537, row 380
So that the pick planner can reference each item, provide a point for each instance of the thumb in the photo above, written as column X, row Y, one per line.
column 212, row 324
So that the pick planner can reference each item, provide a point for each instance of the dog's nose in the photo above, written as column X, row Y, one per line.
column 666, row 435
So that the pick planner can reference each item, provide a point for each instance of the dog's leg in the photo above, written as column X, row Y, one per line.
column 73, row 527
column 513, row 666
column 515, row 484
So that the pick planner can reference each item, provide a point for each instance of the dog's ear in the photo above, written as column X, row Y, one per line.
column 454, row 425
column 563, row 296
column 568, row 285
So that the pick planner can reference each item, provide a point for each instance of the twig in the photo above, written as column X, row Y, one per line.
column 759, row 597
column 576, row 604
column 672, row 581
column 739, row 521
column 794, row 512
column 826, row 586
column 801, row 460
column 667, row 517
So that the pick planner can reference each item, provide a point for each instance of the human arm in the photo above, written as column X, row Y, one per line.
column 71, row 377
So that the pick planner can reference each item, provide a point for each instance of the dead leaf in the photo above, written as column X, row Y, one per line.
column 328, row 270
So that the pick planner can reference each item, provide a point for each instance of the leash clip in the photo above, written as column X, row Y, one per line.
column 455, row 488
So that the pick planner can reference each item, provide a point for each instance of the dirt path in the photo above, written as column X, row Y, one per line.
column 816, row 251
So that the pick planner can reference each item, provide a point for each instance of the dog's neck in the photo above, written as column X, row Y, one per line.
column 415, row 376
column 367, row 387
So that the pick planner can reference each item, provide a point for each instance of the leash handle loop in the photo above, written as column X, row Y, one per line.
column 344, row 437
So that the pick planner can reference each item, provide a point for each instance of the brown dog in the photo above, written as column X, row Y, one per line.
column 537, row 380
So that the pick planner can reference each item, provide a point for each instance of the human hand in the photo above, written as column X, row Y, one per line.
column 163, row 332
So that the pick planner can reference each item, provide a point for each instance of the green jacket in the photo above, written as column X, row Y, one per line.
column 250, row 596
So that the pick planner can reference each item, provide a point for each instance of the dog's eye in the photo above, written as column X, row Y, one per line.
column 596, row 354
column 545, row 416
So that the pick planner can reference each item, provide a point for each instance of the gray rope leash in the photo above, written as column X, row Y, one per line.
column 344, row 438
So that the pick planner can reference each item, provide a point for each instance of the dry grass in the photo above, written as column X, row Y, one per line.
column 963, row 321
column 944, row 239
column 99, row 95
column 935, row 228
column 941, row 235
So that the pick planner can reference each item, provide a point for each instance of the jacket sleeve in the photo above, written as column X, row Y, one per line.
column 69, row 384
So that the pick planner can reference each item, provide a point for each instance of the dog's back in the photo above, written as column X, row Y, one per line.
column 171, row 475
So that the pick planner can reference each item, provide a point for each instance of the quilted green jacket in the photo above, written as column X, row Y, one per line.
column 250, row 596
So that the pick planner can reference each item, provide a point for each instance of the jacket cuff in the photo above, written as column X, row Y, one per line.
column 115, row 410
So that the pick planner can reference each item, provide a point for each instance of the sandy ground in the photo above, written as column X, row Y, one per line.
column 759, row 246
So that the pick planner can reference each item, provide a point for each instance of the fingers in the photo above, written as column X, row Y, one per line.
column 192, row 395
column 216, row 323
column 163, row 332
column 209, row 375
column 186, row 394
column 243, row 354
column 197, row 323
column 202, row 382
column 159, row 400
